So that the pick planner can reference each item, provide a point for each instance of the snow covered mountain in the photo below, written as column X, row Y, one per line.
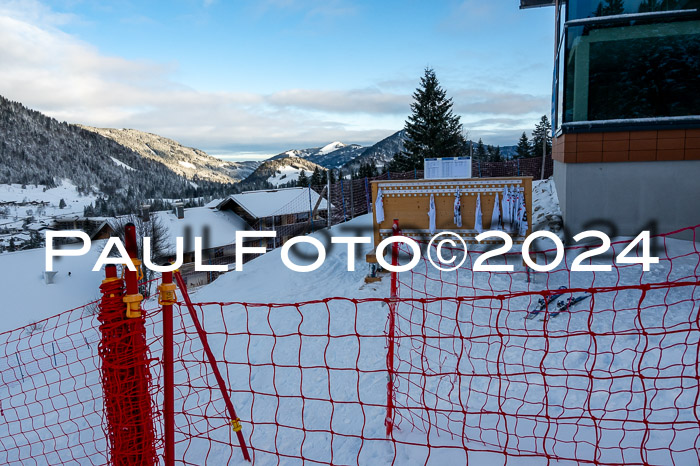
column 333, row 155
column 338, row 157
column 381, row 153
column 36, row 149
column 185, row 161
column 349, row 156
column 279, row 171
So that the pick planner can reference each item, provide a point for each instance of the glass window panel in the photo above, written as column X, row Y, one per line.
column 595, row 8
column 640, row 71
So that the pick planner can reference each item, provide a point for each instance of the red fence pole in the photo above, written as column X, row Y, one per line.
column 389, row 420
column 126, row 378
column 235, row 421
column 167, row 298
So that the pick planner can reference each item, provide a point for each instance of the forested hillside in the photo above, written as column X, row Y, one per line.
column 36, row 149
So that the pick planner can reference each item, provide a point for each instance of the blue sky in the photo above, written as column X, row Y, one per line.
column 247, row 79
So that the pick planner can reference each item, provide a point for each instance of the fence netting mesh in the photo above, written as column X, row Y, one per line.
column 613, row 379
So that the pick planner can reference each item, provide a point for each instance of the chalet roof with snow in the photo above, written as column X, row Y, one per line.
column 273, row 202
column 218, row 228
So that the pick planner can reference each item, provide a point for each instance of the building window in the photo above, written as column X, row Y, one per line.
column 629, row 69
column 579, row 9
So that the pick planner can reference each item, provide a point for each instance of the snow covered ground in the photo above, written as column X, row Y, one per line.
column 34, row 206
column 22, row 272
column 336, row 351
column 285, row 174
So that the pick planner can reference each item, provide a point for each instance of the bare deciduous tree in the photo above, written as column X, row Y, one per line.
column 32, row 328
column 154, row 229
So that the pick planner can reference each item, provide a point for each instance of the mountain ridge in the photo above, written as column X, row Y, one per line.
column 183, row 160
column 38, row 149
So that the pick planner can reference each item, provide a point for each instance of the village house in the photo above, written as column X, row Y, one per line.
column 216, row 228
column 289, row 211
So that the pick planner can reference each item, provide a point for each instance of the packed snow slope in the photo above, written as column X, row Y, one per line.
column 309, row 380
column 267, row 279
column 23, row 271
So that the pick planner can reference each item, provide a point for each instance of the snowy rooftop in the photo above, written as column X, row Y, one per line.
column 213, row 203
column 77, row 217
column 219, row 226
column 267, row 203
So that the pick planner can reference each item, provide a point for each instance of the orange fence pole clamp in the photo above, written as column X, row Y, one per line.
column 235, row 421
column 133, row 298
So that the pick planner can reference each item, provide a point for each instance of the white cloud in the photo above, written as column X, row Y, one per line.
column 56, row 73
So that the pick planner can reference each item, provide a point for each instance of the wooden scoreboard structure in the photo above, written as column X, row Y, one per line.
column 409, row 201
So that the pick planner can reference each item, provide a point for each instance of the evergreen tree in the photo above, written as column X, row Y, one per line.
column 366, row 170
column 316, row 178
column 543, row 128
column 611, row 7
column 615, row 7
column 649, row 5
column 522, row 150
column 35, row 240
column 303, row 180
column 494, row 154
column 432, row 129
column 62, row 204
column 402, row 162
column 480, row 151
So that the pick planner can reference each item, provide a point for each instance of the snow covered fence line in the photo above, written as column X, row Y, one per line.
column 613, row 380
column 483, row 360
column 614, row 385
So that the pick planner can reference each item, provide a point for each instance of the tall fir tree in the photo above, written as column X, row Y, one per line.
column 494, row 154
column 610, row 7
column 522, row 150
column 543, row 128
column 316, row 178
column 303, row 180
column 432, row 129
column 480, row 151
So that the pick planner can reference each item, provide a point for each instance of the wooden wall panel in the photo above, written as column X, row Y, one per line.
column 409, row 202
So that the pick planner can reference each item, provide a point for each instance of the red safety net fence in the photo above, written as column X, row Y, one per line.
column 615, row 379
column 612, row 379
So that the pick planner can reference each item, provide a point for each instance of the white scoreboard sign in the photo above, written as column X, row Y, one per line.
column 447, row 167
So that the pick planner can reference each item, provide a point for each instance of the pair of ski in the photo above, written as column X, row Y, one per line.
column 562, row 306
